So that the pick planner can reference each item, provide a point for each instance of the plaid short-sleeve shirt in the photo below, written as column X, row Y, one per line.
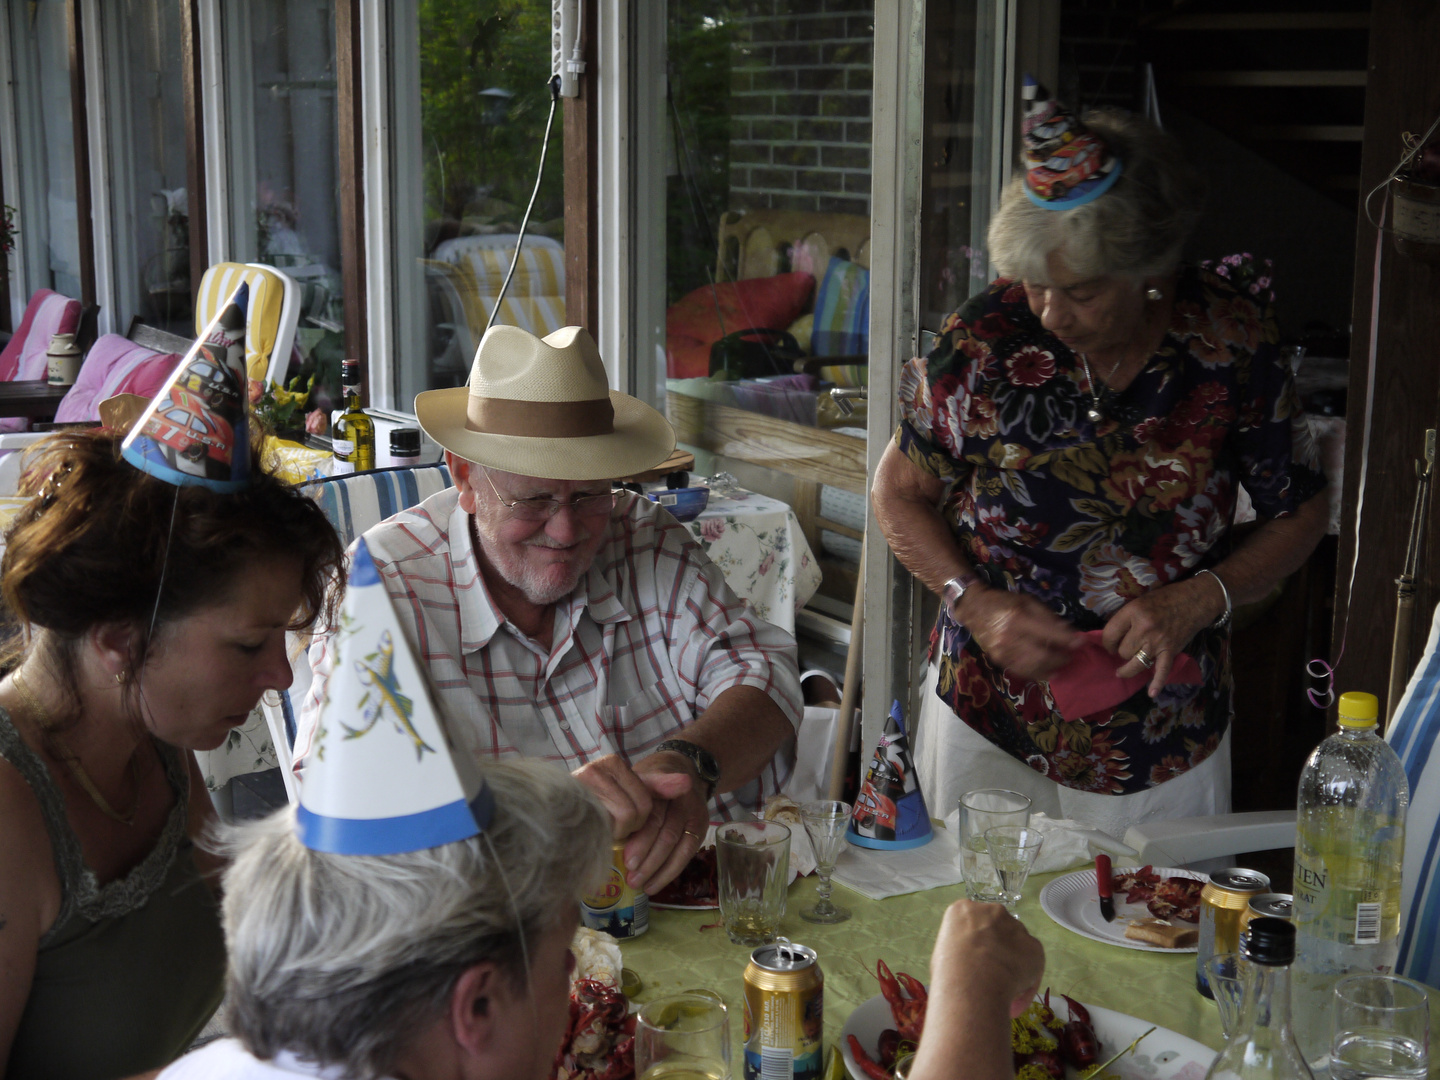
column 648, row 639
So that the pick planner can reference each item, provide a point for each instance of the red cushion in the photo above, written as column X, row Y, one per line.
column 48, row 313
column 692, row 323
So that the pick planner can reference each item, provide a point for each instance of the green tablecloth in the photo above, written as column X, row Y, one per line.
column 677, row 955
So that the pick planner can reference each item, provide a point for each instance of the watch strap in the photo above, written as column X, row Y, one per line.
column 956, row 588
column 704, row 761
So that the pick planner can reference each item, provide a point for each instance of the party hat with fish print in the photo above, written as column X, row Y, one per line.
column 381, row 778
column 197, row 428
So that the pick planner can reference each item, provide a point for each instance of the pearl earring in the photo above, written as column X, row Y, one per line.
column 1152, row 293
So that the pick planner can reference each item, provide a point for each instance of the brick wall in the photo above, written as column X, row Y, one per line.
column 800, row 80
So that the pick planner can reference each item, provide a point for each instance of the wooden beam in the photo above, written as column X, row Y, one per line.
column 1404, row 88
column 1306, row 132
column 1265, row 20
column 349, row 121
column 806, row 453
column 193, row 95
column 582, row 192
column 1267, row 78
column 80, row 131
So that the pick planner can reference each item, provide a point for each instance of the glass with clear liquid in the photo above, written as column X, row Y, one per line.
column 1382, row 1029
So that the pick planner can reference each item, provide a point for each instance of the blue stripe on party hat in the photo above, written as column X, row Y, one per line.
column 382, row 778
column 890, row 810
column 197, row 429
column 1067, row 164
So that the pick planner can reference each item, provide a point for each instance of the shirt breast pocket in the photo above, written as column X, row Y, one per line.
column 646, row 711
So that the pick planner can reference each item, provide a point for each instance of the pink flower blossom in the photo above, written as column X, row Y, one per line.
column 712, row 529
column 766, row 563
column 257, row 391
column 316, row 423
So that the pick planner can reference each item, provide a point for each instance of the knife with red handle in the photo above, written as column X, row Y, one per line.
column 1102, row 882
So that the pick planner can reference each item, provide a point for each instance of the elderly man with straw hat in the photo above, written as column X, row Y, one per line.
column 558, row 620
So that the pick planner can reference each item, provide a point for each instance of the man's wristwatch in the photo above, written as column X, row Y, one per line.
column 956, row 587
column 704, row 761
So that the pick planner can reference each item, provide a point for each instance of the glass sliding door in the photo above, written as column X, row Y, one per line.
column 284, row 165
column 767, row 243
column 46, row 204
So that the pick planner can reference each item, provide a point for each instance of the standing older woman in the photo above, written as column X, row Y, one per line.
column 1068, row 461
column 153, row 619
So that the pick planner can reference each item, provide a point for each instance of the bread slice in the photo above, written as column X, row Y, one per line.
column 1165, row 935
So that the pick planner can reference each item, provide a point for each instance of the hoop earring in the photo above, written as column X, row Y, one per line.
column 1152, row 293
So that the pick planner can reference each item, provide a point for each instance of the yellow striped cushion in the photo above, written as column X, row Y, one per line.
column 267, row 296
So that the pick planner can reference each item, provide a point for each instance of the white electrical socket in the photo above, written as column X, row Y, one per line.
column 564, row 35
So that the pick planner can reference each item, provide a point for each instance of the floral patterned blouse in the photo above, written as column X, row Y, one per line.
column 1087, row 516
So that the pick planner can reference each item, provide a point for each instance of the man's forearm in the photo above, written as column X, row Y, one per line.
column 743, row 728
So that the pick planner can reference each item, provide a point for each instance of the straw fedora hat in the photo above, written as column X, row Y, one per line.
column 542, row 407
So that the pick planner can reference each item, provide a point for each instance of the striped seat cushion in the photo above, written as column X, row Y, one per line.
column 535, row 300
column 262, row 323
column 47, row 314
column 357, row 502
column 1413, row 733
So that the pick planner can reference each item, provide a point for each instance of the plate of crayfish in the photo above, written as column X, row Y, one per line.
column 1060, row 1042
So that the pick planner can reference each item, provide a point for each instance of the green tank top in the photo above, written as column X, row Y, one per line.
column 130, row 972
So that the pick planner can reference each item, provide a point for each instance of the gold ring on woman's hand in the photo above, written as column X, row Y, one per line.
column 1144, row 658
column 697, row 836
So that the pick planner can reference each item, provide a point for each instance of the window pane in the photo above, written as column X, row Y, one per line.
column 152, row 217
column 768, row 229
column 45, row 203
column 285, row 152
column 480, row 79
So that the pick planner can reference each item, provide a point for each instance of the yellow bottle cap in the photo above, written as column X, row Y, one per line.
column 1359, row 710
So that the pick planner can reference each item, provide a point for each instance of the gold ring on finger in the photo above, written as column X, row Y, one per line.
column 1144, row 658
column 697, row 836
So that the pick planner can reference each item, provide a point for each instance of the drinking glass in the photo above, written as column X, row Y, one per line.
column 1012, row 850
column 825, row 824
column 683, row 1037
column 1382, row 1028
column 753, row 863
column 984, row 809
column 1227, row 983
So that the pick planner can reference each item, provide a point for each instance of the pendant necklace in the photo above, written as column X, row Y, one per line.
column 41, row 716
column 1095, row 413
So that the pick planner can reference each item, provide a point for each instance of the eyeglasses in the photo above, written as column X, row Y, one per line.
column 543, row 507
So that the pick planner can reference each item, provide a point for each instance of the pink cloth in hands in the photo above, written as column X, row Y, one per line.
column 1087, row 684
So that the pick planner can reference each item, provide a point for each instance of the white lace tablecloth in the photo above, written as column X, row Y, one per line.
column 757, row 542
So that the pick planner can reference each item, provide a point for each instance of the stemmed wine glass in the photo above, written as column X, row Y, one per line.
column 825, row 824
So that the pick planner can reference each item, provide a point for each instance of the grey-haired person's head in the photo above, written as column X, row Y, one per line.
column 342, row 959
column 1137, row 229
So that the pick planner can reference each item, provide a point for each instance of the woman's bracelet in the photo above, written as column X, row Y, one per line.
column 1224, row 620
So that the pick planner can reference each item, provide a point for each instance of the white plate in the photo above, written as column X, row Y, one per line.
column 1073, row 903
column 1163, row 1055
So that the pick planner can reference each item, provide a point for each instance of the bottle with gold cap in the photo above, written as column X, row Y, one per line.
column 1349, row 841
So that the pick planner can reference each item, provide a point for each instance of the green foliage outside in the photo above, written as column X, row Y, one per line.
column 481, row 152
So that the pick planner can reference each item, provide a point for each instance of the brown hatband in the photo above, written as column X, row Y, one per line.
column 540, row 419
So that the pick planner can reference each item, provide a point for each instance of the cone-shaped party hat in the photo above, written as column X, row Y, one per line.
column 381, row 778
column 890, row 810
column 1066, row 164
column 196, row 430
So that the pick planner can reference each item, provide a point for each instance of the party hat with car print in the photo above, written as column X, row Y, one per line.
column 197, row 428
column 381, row 778
column 1066, row 164
column 890, row 810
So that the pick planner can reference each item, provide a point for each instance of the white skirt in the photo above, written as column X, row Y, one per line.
column 952, row 758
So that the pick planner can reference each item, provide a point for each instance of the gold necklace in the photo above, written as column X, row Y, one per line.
column 42, row 719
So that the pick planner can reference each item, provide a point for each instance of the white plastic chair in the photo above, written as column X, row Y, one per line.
column 222, row 279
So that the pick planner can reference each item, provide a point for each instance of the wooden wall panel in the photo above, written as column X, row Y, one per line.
column 348, row 121
column 582, row 247
column 191, row 84
column 80, row 128
column 1403, row 94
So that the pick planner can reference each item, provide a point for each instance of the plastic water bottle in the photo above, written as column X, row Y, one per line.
column 1263, row 1045
column 1349, row 843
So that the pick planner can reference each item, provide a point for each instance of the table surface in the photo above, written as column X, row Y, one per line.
column 676, row 954
column 30, row 397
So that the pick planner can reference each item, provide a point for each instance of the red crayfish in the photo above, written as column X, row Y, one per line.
column 1078, row 1044
column 600, row 1039
column 906, row 996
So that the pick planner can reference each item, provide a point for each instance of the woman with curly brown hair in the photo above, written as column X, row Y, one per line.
column 150, row 620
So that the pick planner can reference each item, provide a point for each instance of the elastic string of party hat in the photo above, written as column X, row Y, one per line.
column 164, row 565
column 519, row 926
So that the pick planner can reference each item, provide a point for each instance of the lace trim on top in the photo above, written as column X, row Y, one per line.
column 80, row 894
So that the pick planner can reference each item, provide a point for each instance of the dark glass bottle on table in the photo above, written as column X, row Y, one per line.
column 353, row 433
column 1263, row 1045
